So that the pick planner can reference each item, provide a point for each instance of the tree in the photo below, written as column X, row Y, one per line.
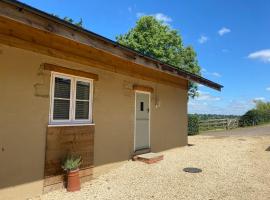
column 259, row 115
column 156, row 39
column 79, row 23
column 70, row 20
column 263, row 106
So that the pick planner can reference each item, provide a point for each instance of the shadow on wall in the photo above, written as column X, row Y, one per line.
column 60, row 141
column 23, row 176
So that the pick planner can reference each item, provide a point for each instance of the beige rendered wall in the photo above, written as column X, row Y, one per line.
column 23, row 125
column 24, row 107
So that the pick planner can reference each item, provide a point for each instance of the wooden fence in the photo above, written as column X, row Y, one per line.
column 218, row 124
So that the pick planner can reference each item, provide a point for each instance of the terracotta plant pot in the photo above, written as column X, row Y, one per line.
column 73, row 181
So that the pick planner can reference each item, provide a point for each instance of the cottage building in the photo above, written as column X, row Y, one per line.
column 66, row 89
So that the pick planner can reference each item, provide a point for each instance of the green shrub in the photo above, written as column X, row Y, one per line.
column 193, row 125
column 255, row 117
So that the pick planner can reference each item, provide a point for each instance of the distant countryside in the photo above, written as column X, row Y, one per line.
column 206, row 122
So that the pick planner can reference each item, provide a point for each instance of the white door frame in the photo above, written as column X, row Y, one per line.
column 149, row 121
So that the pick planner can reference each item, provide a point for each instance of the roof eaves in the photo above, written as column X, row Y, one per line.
column 180, row 72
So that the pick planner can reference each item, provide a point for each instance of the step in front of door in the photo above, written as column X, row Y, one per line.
column 141, row 151
column 149, row 158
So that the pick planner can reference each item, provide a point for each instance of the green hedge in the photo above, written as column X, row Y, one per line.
column 254, row 117
column 193, row 125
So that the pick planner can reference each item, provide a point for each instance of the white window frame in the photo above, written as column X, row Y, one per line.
column 72, row 107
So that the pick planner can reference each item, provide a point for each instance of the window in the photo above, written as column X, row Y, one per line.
column 82, row 100
column 141, row 106
column 71, row 99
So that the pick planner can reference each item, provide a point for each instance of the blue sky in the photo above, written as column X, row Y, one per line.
column 231, row 38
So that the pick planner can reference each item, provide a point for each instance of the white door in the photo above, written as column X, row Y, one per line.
column 142, row 125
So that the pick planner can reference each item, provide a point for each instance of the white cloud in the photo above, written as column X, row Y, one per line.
column 258, row 99
column 268, row 89
column 162, row 17
column 204, row 108
column 239, row 107
column 216, row 74
column 262, row 55
column 235, row 107
column 159, row 16
column 205, row 72
column 140, row 14
column 223, row 31
column 200, row 85
column 130, row 9
column 206, row 96
column 203, row 39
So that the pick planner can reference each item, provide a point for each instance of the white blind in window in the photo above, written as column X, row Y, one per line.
column 61, row 104
column 82, row 100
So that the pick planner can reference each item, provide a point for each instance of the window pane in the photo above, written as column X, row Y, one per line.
column 82, row 90
column 82, row 110
column 62, row 88
column 61, row 109
column 142, row 107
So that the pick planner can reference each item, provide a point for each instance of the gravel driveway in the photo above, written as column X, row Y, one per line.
column 233, row 167
column 250, row 131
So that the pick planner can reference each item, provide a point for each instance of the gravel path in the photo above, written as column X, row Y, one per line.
column 235, row 167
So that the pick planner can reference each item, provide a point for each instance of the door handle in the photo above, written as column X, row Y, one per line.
column 148, row 110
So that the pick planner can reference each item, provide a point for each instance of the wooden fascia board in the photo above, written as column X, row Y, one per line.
column 44, row 24
column 42, row 21
column 19, row 35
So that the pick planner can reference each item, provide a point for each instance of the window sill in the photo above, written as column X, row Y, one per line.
column 57, row 125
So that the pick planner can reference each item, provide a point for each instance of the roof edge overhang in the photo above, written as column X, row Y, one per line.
column 161, row 65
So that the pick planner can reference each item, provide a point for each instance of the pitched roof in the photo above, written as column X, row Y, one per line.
column 161, row 65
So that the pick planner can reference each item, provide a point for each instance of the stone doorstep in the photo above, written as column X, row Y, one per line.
column 141, row 151
column 149, row 158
